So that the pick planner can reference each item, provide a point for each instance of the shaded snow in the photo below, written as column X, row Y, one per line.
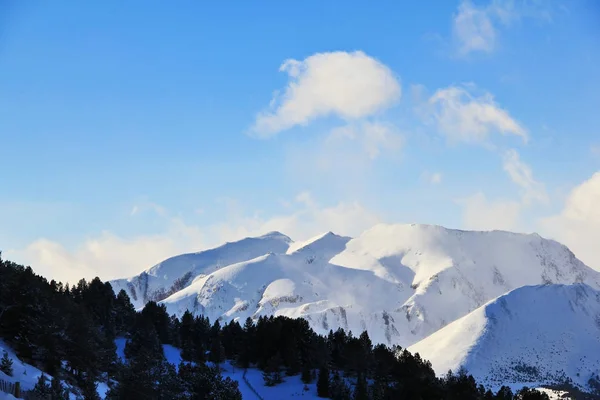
column 533, row 335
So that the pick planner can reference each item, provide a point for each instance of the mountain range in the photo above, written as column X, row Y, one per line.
column 459, row 298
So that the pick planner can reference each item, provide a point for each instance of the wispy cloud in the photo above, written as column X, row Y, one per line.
column 110, row 255
column 463, row 117
column 479, row 212
column 522, row 175
column 476, row 28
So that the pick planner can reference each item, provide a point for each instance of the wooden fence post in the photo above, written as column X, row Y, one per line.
column 17, row 389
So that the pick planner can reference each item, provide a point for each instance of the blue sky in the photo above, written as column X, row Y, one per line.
column 134, row 131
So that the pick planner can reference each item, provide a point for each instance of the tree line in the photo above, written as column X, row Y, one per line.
column 69, row 333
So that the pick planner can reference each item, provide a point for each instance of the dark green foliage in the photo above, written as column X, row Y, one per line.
column 57, row 390
column 505, row 393
column 361, row 389
column 323, row 383
column 6, row 364
column 272, row 372
column 201, row 382
column 306, row 375
column 530, row 394
column 41, row 388
column 47, row 323
column 338, row 388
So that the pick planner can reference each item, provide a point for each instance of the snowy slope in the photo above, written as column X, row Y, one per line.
column 401, row 283
column 177, row 272
column 453, row 272
column 533, row 335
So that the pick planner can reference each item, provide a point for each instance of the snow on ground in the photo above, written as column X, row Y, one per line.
column 120, row 343
column 291, row 388
column 534, row 335
column 22, row 372
column 172, row 354
column 554, row 394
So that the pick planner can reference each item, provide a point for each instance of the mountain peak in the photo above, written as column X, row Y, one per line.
column 327, row 243
column 276, row 235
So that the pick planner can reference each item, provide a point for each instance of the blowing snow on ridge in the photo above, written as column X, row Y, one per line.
column 401, row 283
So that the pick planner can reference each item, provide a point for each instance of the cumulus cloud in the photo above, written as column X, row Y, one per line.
column 110, row 256
column 462, row 117
column 348, row 85
column 578, row 224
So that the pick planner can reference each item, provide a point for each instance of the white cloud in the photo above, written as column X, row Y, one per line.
column 373, row 137
column 434, row 178
column 475, row 28
column 521, row 174
column 462, row 117
column 578, row 224
column 479, row 213
column 111, row 256
column 348, row 85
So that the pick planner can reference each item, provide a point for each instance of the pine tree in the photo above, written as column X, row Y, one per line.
column 306, row 375
column 361, row 389
column 57, row 390
column 323, row 383
column 41, row 388
column 272, row 373
column 338, row 389
column 89, row 390
column 6, row 364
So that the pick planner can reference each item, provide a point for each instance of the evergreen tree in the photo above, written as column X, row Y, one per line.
column 89, row 390
column 124, row 313
column 41, row 388
column 204, row 383
column 57, row 390
column 272, row 373
column 338, row 389
column 323, row 383
column 361, row 389
column 505, row 393
column 306, row 375
column 6, row 364
column 530, row 394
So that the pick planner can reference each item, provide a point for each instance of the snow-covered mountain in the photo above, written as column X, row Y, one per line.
column 533, row 335
column 452, row 272
column 177, row 272
column 401, row 283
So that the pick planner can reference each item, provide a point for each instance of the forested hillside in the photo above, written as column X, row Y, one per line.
column 69, row 333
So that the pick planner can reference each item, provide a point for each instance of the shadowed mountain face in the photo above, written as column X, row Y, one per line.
column 534, row 334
